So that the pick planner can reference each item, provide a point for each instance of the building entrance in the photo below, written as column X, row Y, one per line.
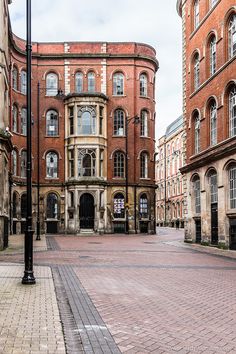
column 232, row 234
column 86, row 211
column 198, row 231
column 214, row 224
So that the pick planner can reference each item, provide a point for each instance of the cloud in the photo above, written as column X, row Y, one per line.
column 155, row 22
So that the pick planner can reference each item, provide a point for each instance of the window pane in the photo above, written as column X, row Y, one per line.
column 143, row 85
column 51, row 84
column 119, row 206
column 23, row 82
column 52, row 123
column 119, row 168
column 78, row 82
column 118, row 84
column 91, row 82
column 119, row 122
column 232, row 186
column 232, row 112
column 52, row 165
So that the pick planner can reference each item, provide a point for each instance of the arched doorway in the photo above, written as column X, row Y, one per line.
column 86, row 211
column 52, row 213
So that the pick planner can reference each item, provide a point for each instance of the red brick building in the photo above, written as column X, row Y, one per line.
column 82, row 135
column 209, row 107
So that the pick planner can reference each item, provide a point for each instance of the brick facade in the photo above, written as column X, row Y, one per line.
column 61, row 193
column 209, row 68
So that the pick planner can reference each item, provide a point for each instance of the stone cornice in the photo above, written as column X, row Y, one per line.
column 221, row 150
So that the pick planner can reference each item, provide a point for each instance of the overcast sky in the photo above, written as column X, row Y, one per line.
column 154, row 22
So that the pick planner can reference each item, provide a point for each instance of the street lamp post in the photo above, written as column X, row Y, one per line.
column 28, row 277
column 135, row 120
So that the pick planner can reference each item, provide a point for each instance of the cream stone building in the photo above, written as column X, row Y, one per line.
column 169, row 192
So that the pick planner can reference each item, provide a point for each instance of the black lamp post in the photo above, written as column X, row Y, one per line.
column 135, row 120
column 28, row 277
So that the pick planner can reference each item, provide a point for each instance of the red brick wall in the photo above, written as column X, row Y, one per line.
column 213, row 20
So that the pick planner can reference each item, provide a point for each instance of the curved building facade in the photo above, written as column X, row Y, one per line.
column 93, row 115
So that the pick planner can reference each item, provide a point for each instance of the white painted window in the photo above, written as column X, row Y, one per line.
column 51, row 165
column 143, row 85
column 91, row 82
column 196, row 14
column 23, row 121
column 118, row 84
column 196, row 71
column 232, row 112
column 86, row 121
column 144, row 123
column 119, row 164
column 86, row 162
column 23, row 163
column 213, row 55
column 232, row 36
column 119, row 121
column 232, row 187
column 197, row 133
column 23, row 82
column 52, row 123
column 213, row 123
column 78, row 82
column 51, row 84
column 143, row 165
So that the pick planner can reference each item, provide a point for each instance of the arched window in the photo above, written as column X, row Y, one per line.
column 23, row 206
column 119, row 122
column 212, row 176
column 232, row 36
column 14, row 205
column 23, row 128
column 144, row 123
column 119, row 164
column 143, row 206
column 143, row 165
column 15, row 118
column 52, row 206
column 196, row 71
column 232, row 112
column 23, row 163
column 51, row 165
column 86, row 162
column 213, row 122
column 143, row 85
column 15, row 78
column 197, row 194
column 118, row 84
column 78, row 82
column 14, row 162
column 168, row 190
column 232, row 186
column 51, row 84
column 196, row 14
column 197, row 133
column 119, row 206
column 212, row 55
column 51, row 123
column 86, row 121
column 23, row 82
column 91, row 82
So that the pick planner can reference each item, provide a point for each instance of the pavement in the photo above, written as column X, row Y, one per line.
column 118, row 294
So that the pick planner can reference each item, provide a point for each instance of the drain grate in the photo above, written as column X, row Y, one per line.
column 84, row 257
column 150, row 243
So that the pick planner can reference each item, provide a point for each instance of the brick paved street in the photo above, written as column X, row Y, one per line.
column 142, row 294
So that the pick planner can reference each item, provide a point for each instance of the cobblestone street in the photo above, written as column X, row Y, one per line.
column 141, row 294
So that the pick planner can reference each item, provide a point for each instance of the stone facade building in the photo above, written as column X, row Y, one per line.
column 209, row 107
column 80, row 137
column 5, row 144
column 169, row 193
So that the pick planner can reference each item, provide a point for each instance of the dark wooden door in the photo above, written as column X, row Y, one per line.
column 232, row 234
column 86, row 211
column 214, row 224
column 198, row 231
